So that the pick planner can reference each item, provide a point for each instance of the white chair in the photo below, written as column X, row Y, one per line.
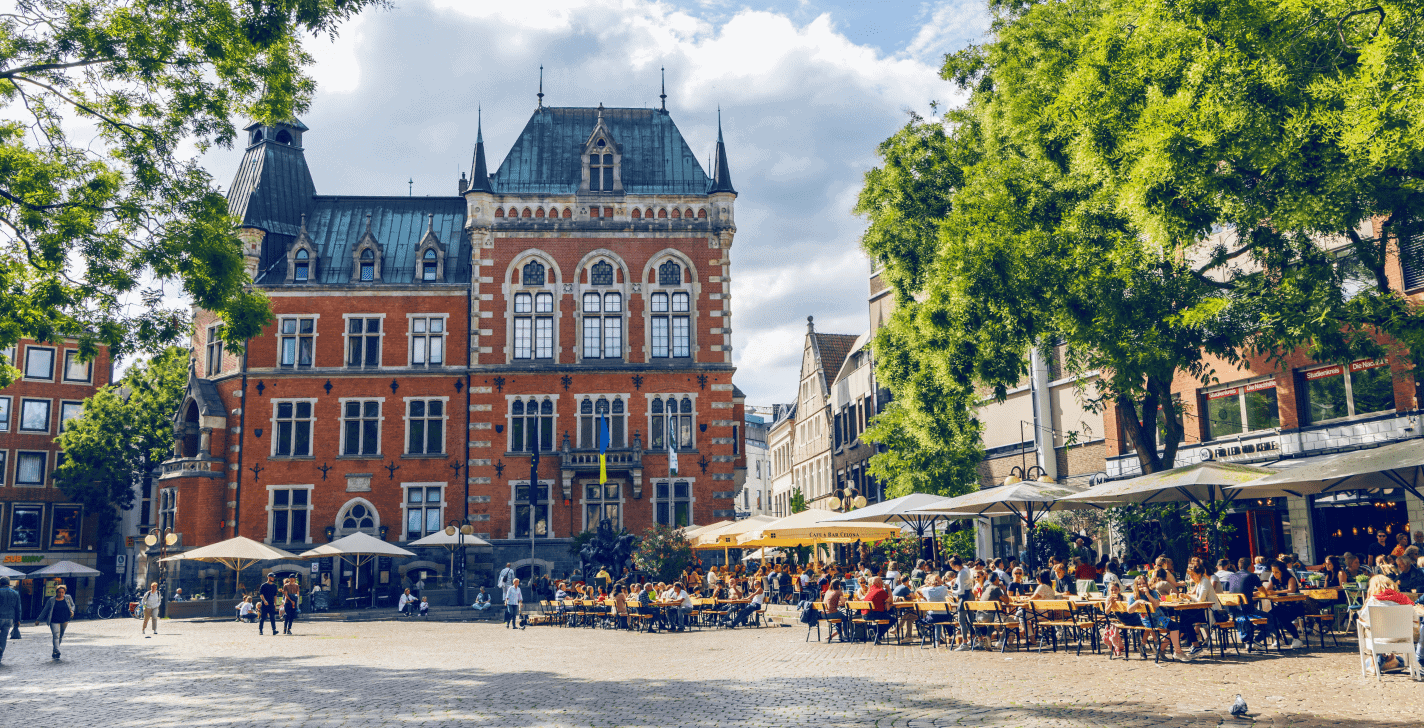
column 1390, row 630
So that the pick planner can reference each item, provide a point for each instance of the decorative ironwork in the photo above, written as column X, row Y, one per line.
column 602, row 274
column 670, row 274
column 392, row 468
column 703, row 462
column 459, row 386
column 456, row 466
column 327, row 386
column 533, row 274
column 499, row 468
column 638, row 382
column 394, row 386
column 499, row 384
column 257, row 433
column 567, row 381
column 257, row 472
column 701, row 381
column 324, row 467
column 260, row 387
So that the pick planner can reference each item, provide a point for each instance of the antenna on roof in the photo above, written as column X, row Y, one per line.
column 410, row 192
column 663, row 95
column 541, row 85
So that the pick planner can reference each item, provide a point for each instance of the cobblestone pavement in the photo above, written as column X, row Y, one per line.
column 412, row 673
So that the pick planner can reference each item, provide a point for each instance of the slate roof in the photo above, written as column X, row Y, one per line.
column 272, row 188
column 832, row 349
column 547, row 157
column 335, row 224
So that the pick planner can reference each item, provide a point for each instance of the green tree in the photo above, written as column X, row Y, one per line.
column 101, row 203
column 123, row 434
column 798, row 501
column 664, row 554
column 1154, row 183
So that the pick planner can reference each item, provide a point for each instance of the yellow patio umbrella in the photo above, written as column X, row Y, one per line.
column 809, row 527
column 724, row 538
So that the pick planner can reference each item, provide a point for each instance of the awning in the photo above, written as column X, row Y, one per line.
column 725, row 537
column 810, row 527
column 1200, row 483
column 63, row 568
column 1398, row 465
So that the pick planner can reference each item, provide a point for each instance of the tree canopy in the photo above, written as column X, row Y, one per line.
column 123, row 434
column 1155, row 184
column 101, row 200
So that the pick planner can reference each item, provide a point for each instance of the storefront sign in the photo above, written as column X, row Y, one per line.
column 1224, row 393
column 1323, row 372
column 23, row 559
column 1258, row 386
column 1360, row 366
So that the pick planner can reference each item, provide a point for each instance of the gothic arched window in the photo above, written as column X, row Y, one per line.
column 303, row 271
column 602, row 274
column 670, row 274
column 368, row 265
column 533, row 274
column 428, row 265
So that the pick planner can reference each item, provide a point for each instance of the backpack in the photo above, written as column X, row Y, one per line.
column 810, row 615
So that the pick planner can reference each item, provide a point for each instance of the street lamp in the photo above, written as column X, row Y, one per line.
column 457, row 559
column 162, row 538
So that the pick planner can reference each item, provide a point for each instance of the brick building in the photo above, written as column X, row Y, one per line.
column 38, row 525
column 425, row 348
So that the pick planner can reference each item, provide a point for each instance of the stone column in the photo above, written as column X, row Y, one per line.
column 205, row 441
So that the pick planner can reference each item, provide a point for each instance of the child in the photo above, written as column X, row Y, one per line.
column 245, row 611
column 1112, row 635
column 425, row 606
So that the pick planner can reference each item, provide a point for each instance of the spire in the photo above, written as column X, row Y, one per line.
column 541, row 85
column 663, row 95
column 479, row 171
column 721, row 178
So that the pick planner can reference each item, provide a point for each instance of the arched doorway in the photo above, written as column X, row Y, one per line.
column 357, row 576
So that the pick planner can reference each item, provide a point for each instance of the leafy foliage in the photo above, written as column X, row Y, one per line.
column 1151, row 530
column 904, row 550
column 664, row 554
column 1047, row 540
column 123, row 434
column 1161, row 185
column 798, row 501
column 99, row 207
column 957, row 543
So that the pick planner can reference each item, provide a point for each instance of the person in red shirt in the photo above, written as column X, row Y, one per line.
column 879, row 603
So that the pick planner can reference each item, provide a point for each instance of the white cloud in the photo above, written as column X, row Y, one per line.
column 803, row 108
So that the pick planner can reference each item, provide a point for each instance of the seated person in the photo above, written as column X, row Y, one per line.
column 425, row 606
column 246, row 611
column 1382, row 593
column 746, row 611
column 482, row 601
column 902, row 589
column 178, row 595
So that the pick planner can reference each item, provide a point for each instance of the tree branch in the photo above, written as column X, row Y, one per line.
column 8, row 72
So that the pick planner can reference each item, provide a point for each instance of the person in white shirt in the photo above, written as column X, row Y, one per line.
column 892, row 574
column 245, row 611
column 506, row 577
column 758, row 598
column 513, row 600
column 152, row 600
column 403, row 604
column 684, row 607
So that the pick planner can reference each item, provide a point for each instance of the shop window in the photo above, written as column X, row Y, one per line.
column 1242, row 408
column 25, row 527
column 423, row 513
column 290, row 508
column 1334, row 392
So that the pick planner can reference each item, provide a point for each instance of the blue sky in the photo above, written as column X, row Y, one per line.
column 807, row 90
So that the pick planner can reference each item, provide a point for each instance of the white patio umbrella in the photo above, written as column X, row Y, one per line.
column 450, row 539
column 360, row 548
column 236, row 553
column 691, row 532
column 1030, row 500
column 13, row 574
column 63, row 568
column 724, row 537
column 1399, row 465
column 904, row 509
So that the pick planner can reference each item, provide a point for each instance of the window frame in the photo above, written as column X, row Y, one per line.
column 672, row 499
column 167, row 508
column 1347, row 373
column 6, row 404
column 73, row 355
column 272, row 509
column 602, row 502
column 45, row 469
column 77, row 543
column 425, row 506
column 533, row 334
column 311, row 428
column 347, row 335
column 657, row 419
column 345, row 419
column 39, row 541
column 63, row 404
column 546, row 503
column 443, row 336
column 213, row 350
column 32, row 348
column 297, row 337
column 615, row 442
column 551, row 424
column 4, row 467
column 49, row 416
column 443, row 418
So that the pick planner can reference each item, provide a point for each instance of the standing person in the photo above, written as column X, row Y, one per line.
column 57, row 612
column 293, row 592
column 289, row 613
column 9, row 612
column 506, row 577
column 267, row 595
column 513, row 599
column 152, row 600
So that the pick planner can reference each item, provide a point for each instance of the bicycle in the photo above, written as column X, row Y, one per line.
column 107, row 607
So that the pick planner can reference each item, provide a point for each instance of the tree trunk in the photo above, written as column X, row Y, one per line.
column 1143, row 439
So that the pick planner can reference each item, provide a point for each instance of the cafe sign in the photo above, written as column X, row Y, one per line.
column 23, row 559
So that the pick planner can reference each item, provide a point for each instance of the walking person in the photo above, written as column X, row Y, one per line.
column 57, row 612
column 289, row 613
column 9, row 612
column 506, row 577
column 268, row 604
column 152, row 600
column 513, row 599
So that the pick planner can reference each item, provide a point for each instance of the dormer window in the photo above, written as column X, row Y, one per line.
column 368, row 266
column 427, row 266
column 600, row 171
column 284, row 137
column 303, row 266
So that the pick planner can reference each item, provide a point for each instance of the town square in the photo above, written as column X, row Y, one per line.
column 673, row 363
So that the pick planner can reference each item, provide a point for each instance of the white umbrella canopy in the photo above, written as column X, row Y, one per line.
column 1399, row 465
column 13, row 574
column 236, row 553
column 765, row 553
column 64, row 568
column 440, row 539
column 726, row 536
column 1200, row 483
column 1026, row 499
column 357, row 544
column 905, row 509
column 691, row 532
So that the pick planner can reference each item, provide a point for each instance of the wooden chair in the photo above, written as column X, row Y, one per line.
column 934, row 617
column 991, row 615
column 1226, row 629
column 1321, row 619
column 1129, row 620
column 1056, row 614
column 835, row 623
column 866, row 621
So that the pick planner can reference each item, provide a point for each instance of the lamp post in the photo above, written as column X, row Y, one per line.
column 162, row 538
column 457, row 559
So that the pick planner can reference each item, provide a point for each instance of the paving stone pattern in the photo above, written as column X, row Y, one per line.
column 411, row 673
